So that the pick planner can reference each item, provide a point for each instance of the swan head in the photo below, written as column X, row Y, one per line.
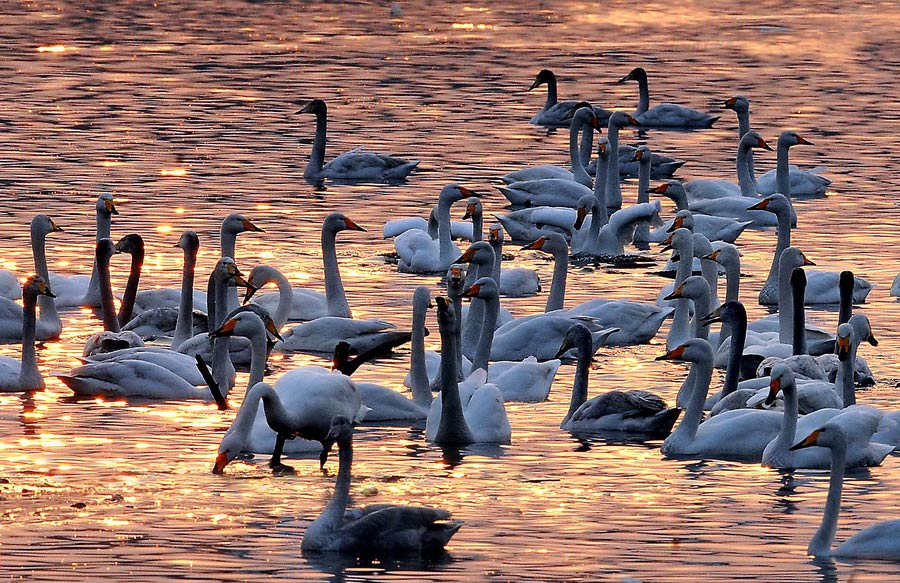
column 829, row 435
column 774, row 203
column 550, row 243
column 545, row 76
column 456, row 280
column 480, row 253
column 473, row 208
column 577, row 335
column 725, row 254
column 732, row 311
column 340, row 431
column 684, row 219
column 454, row 193
column 106, row 204
column 620, row 119
column 790, row 138
column 104, row 250
column 780, row 379
column 642, row 154
column 585, row 203
column 337, row 222
column 694, row 350
column 228, row 271
column 738, row 103
column 238, row 223
column 584, row 115
column 189, row 241
column 681, row 241
column 495, row 234
column 316, row 106
column 35, row 286
column 603, row 147
column 842, row 340
column 863, row 328
column 692, row 287
column 133, row 244
column 791, row 258
column 446, row 316
column 669, row 189
column 484, row 288
column 247, row 323
column 636, row 74
column 754, row 140
column 44, row 225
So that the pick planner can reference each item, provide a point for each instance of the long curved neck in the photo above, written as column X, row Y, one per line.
column 821, row 541
column 613, row 188
column 317, row 155
column 184, row 325
column 679, row 329
column 453, row 428
column 131, row 287
column 732, row 281
column 486, row 339
column 783, row 169
column 551, row 93
column 455, row 296
column 845, row 381
column 223, row 368
column 582, row 368
column 784, row 241
column 258, row 355
column 642, row 231
column 107, row 305
column 104, row 225
column 598, row 217
column 786, row 434
column 497, row 246
column 285, row 295
column 799, row 320
column 587, row 145
column 556, row 299
column 746, row 180
column 29, row 374
column 679, row 197
column 444, row 235
column 475, row 318
column 687, row 429
column 418, row 373
column 785, row 306
column 477, row 227
column 738, row 340
column 701, row 309
column 644, row 93
column 49, row 313
column 335, row 296
column 333, row 513
column 580, row 174
column 600, row 187
column 246, row 415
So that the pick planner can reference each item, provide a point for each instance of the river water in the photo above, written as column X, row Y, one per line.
column 185, row 110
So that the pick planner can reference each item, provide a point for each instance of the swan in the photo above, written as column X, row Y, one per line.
column 878, row 541
column 544, row 192
column 527, row 380
column 308, row 304
column 857, row 423
column 741, row 106
column 738, row 208
column 158, row 321
column 132, row 244
column 734, row 434
column 482, row 418
column 681, row 241
column 514, row 282
column 643, row 155
column 661, row 166
column 714, row 228
column 627, row 411
column 79, row 290
column 664, row 115
column 112, row 338
column 558, row 113
column 298, row 406
column 232, row 226
column 617, row 121
column 10, row 288
column 381, row 529
column 181, row 364
column 584, row 116
column 357, row 164
column 458, row 229
column 24, row 375
column 12, row 316
column 610, row 239
column 418, row 252
column 709, row 188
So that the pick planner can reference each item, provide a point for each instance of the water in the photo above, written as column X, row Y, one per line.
column 186, row 112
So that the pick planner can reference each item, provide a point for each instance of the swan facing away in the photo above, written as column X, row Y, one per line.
column 381, row 529
column 878, row 541
column 664, row 115
column 357, row 164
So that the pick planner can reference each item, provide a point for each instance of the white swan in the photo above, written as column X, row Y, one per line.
column 418, row 252
column 232, row 226
column 632, row 411
column 738, row 208
column 613, row 192
column 323, row 334
column 482, row 418
column 381, row 529
column 515, row 282
column 878, row 541
column 24, row 375
column 545, row 192
column 10, row 288
column 309, row 304
column 741, row 434
column 822, row 286
column 857, row 423
column 458, row 229
column 664, row 115
column 610, row 239
column 357, row 164
column 714, row 228
column 558, row 113
column 12, row 315
column 708, row 188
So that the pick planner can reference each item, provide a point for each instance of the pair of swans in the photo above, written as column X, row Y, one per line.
column 355, row 165
column 24, row 375
column 469, row 231
column 664, row 115
column 557, row 113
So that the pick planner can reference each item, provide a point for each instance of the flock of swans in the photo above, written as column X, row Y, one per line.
column 789, row 396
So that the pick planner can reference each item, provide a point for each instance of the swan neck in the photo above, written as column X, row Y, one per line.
column 452, row 427
column 582, row 369
column 223, row 369
column 285, row 296
column 600, row 192
column 497, row 246
column 799, row 321
column 29, row 374
column 783, row 170
column 49, row 313
column 258, row 354
column 184, row 325
column 738, row 330
column 821, row 541
column 845, row 379
column 486, row 339
column 131, row 287
column 644, row 96
column 551, row 94
column 732, row 282
column 587, row 145
column 613, row 188
column 107, row 305
column 421, row 391
column 783, row 242
column 701, row 309
column 746, row 180
column 317, row 154
column 335, row 296
column 785, row 307
column 580, row 174
column 444, row 235
column 788, row 429
column 687, row 429
column 556, row 299
column 333, row 513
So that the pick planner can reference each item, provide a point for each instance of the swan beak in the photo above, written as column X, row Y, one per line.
column 677, row 223
column 443, row 303
column 351, row 225
column 602, row 148
column 843, row 347
column 271, row 329
column 537, row 83
column 467, row 256
column 808, row 261
column 456, row 273
column 221, row 462
column 308, row 108
column 580, row 215
column 54, row 228
column 804, row 141
column 595, row 122
column 44, row 289
column 762, row 144
column 627, row 77
column 809, row 441
column 251, row 289
column 633, row 121
column 761, row 205
column 674, row 354
column 661, row 189
column 536, row 244
column 730, row 103
column 494, row 234
column 668, row 240
column 564, row 348
column 872, row 340
column 774, row 387
column 468, row 192
column 470, row 211
column 714, row 256
column 675, row 294
column 249, row 226
column 714, row 316
column 226, row 329
column 111, row 207
column 472, row 291
column 637, row 156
